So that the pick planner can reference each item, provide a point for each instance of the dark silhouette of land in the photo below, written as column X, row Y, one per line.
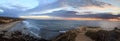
column 5, row 20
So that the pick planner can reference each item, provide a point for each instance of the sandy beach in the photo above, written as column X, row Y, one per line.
column 9, row 25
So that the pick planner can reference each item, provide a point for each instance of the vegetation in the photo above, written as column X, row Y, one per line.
column 104, row 35
column 5, row 20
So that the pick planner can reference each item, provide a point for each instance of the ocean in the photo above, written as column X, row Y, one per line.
column 49, row 29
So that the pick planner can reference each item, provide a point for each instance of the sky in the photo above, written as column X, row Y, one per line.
column 113, row 2
column 22, row 3
column 54, row 9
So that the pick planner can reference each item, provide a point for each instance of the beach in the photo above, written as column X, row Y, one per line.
column 8, row 26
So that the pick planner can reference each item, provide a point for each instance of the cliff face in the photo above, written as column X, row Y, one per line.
column 103, row 35
column 78, row 34
column 89, row 34
column 5, row 20
column 17, row 36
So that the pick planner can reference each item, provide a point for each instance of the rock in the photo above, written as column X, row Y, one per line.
column 77, row 34
column 18, row 36
column 85, row 29
column 103, row 35
column 89, row 34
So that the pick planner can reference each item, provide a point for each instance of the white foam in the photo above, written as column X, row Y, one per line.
column 62, row 31
column 33, row 30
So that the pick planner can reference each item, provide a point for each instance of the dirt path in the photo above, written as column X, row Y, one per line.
column 82, row 37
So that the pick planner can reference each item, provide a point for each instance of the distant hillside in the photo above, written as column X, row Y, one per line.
column 5, row 20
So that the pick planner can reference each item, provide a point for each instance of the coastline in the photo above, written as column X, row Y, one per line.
column 83, row 33
column 74, row 34
column 9, row 25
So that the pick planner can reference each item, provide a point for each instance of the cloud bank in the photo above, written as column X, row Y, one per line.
column 65, row 8
column 77, row 5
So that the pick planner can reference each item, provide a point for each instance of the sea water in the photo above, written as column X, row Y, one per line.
column 49, row 29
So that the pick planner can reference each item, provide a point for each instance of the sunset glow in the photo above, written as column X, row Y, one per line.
column 94, row 9
column 91, row 19
column 63, row 18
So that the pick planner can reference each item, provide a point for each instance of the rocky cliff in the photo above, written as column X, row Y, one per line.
column 89, row 34
column 78, row 34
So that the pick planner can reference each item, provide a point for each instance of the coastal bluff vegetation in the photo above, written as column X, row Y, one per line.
column 5, row 20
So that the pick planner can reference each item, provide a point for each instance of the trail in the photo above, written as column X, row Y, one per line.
column 82, row 37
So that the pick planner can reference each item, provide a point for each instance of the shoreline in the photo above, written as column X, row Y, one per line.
column 72, row 32
column 9, row 25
